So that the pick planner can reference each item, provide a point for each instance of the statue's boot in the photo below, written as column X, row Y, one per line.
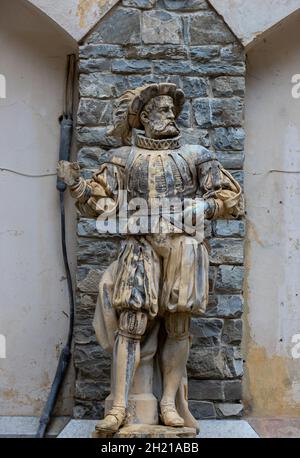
column 112, row 421
column 169, row 415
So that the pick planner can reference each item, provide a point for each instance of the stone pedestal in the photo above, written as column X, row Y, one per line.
column 142, row 408
column 149, row 431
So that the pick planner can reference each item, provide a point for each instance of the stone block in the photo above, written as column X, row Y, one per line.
column 90, row 157
column 233, row 53
column 206, row 332
column 201, row 390
column 228, row 86
column 184, row 120
column 195, row 87
column 214, row 363
column 226, row 251
column 143, row 4
column 96, row 136
column 84, row 334
column 196, row 136
column 94, row 112
column 233, row 390
column 131, row 66
column 185, row 5
column 204, row 53
column 94, row 65
column 92, row 362
column 122, row 26
column 228, row 228
column 225, row 306
column 202, row 410
column 208, row 28
column 157, row 52
column 232, row 332
column 88, row 410
column 218, row 112
column 91, row 390
column 102, row 86
column 161, row 27
column 231, row 159
column 88, row 278
column 101, row 252
column 230, row 278
column 231, row 138
column 227, row 410
column 100, row 50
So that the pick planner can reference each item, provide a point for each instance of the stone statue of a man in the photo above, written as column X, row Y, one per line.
column 160, row 279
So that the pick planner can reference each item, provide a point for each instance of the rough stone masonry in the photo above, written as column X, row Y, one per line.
column 186, row 42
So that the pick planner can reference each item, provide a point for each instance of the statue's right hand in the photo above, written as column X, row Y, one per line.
column 69, row 172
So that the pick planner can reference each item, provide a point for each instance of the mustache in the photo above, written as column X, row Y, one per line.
column 162, row 127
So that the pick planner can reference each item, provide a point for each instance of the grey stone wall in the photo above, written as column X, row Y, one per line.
column 186, row 42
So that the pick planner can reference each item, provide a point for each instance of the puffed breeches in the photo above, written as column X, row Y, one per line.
column 160, row 274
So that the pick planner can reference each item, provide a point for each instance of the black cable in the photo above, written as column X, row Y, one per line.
column 66, row 122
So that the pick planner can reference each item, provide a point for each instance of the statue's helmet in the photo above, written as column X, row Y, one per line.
column 129, row 106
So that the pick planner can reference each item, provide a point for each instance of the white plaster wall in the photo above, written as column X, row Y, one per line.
column 273, row 223
column 33, row 300
column 249, row 19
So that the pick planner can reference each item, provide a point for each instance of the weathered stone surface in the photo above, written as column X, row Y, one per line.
column 212, row 277
column 185, row 67
column 161, row 27
column 206, row 332
column 228, row 86
column 85, row 305
column 100, row 50
column 97, row 251
column 201, row 390
column 120, row 27
column 232, row 332
column 233, row 53
column 196, row 137
column 143, row 4
column 226, row 251
column 88, row 409
column 92, row 362
column 157, row 52
column 239, row 176
column 231, row 138
column 214, row 363
column 195, row 87
column 101, row 86
column 96, row 136
column 89, row 390
column 131, row 66
column 226, row 410
column 218, row 112
column 139, row 431
column 94, row 112
column 202, row 410
column 233, row 390
column 225, row 306
column 209, row 28
column 204, row 53
column 94, row 65
column 231, row 159
column 228, row 228
column 184, row 120
column 230, row 279
column 90, row 157
column 185, row 5
column 88, row 278
column 84, row 334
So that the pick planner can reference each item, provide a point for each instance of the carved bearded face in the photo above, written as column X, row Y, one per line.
column 158, row 118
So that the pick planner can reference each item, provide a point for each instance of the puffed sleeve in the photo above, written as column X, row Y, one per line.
column 100, row 193
column 221, row 190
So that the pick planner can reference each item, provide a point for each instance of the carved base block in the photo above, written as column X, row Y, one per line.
column 149, row 431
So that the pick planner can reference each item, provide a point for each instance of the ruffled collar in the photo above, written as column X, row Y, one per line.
column 150, row 143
